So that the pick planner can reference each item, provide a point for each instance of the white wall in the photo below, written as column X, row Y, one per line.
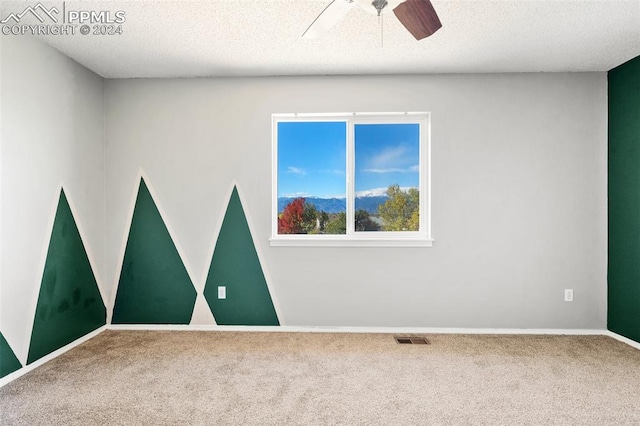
column 519, row 194
column 52, row 134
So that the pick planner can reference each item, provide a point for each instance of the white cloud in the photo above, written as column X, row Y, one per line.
column 389, row 158
column 332, row 171
column 296, row 195
column 411, row 169
column 296, row 170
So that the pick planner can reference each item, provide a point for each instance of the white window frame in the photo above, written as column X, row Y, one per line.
column 421, row 238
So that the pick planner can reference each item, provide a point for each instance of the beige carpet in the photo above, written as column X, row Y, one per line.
column 220, row 378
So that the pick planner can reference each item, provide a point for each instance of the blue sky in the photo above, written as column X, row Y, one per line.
column 386, row 154
column 312, row 157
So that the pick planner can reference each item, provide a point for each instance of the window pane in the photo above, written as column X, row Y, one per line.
column 387, row 177
column 312, row 177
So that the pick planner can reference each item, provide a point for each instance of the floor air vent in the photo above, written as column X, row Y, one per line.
column 409, row 340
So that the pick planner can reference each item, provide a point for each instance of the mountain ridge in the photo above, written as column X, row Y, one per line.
column 369, row 203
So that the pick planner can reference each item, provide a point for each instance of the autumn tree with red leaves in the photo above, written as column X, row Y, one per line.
column 291, row 218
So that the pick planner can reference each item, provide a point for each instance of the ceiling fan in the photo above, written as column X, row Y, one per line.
column 418, row 16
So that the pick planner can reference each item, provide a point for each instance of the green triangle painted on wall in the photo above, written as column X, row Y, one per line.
column 236, row 266
column 8, row 360
column 69, row 305
column 154, row 286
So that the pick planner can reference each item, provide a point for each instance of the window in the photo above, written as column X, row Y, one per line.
column 353, row 179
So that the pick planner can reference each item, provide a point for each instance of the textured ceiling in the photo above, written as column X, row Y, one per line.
column 250, row 37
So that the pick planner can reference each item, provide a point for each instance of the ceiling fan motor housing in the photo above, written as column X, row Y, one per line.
column 378, row 6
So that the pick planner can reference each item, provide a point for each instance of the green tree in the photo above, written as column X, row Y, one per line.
column 364, row 222
column 310, row 219
column 323, row 219
column 337, row 224
column 401, row 212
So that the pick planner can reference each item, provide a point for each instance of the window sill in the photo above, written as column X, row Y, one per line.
column 306, row 241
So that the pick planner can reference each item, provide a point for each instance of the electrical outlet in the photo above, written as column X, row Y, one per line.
column 222, row 292
column 568, row 295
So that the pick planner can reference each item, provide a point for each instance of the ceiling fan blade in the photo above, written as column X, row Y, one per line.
column 331, row 15
column 419, row 17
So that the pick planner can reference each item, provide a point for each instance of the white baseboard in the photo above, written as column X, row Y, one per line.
column 383, row 330
column 623, row 339
column 27, row 368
